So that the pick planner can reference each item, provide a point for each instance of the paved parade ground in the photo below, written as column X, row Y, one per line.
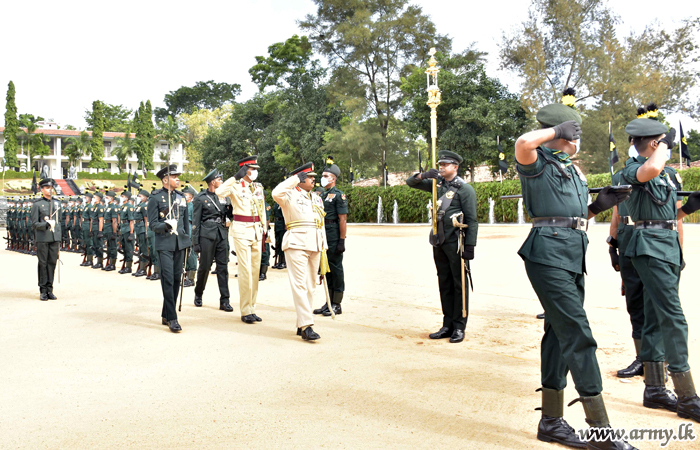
column 96, row 369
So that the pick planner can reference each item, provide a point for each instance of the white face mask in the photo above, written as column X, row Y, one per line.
column 94, row 199
column 108, row 200
column 138, row 200
column 253, row 175
column 324, row 182
column 577, row 143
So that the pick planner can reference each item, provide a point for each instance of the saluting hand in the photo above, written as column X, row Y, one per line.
column 669, row 139
column 242, row 172
column 429, row 174
column 569, row 131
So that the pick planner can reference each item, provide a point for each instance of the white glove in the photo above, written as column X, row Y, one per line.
column 173, row 225
column 52, row 223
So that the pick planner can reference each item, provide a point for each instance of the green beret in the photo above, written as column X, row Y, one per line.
column 556, row 113
column 126, row 194
column 645, row 127
column 446, row 156
column 189, row 190
column 99, row 194
column 144, row 193
column 335, row 170
column 110, row 194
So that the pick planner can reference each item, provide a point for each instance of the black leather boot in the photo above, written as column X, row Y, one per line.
column 336, row 299
column 263, row 273
column 636, row 368
column 597, row 417
column 655, row 393
column 552, row 426
column 688, row 401
column 99, row 263
column 324, row 309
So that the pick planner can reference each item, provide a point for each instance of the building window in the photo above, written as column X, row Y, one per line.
column 107, row 144
column 165, row 146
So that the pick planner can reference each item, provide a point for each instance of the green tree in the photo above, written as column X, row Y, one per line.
column 78, row 147
column 203, row 95
column 125, row 147
column 97, row 148
column 474, row 110
column 11, row 128
column 292, row 57
column 369, row 46
column 169, row 130
column 196, row 126
column 35, row 143
column 148, row 135
column 116, row 118
column 693, row 140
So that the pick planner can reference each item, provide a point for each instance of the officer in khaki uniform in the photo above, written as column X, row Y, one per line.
column 46, row 226
column 126, row 231
column 303, row 243
column 248, row 229
column 655, row 249
column 555, row 194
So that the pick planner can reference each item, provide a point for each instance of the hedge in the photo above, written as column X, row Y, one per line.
column 191, row 177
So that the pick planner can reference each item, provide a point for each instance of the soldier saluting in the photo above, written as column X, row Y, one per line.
column 167, row 217
column 47, row 235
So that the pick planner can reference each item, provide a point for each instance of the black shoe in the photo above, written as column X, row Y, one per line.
column 110, row 268
column 442, row 333
column 163, row 321
column 197, row 300
column 262, row 277
column 323, row 309
column 126, row 270
column 336, row 309
column 308, row 334
column 188, row 283
column 540, row 316
column 51, row 296
column 656, row 397
column 85, row 264
column 43, row 297
column 689, row 408
column 555, row 429
column 634, row 369
column 155, row 277
column 248, row 319
column 225, row 307
column 97, row 266
column 457, row 336
column 257, row 319
column 139, row 273
column 174, row 326
column 282, row 266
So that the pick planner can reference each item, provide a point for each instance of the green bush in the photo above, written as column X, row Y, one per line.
column 11, row 174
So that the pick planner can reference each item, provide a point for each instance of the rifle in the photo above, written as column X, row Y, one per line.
column 591, row 191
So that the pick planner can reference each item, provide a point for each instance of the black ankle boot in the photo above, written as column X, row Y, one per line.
column 688, row 406
column 552, row 426
column 597, row 417
column 655, row 393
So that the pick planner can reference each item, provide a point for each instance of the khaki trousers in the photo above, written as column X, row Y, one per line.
column 303, row 268
column 248, row 254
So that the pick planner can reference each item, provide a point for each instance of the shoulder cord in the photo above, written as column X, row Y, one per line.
column 651, row 195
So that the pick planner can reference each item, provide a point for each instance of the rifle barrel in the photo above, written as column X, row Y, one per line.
column 592, row 191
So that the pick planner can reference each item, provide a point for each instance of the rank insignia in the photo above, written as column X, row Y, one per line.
column 450, row 194
column 162, row 214
column 342, row 196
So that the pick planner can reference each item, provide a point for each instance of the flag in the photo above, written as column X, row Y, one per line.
column 685, row 153
column 35, row 189
column 135, row 182
column 502, row 163
column 613, row 151
column 128, row 181
column 386, row 174
column 352, row 172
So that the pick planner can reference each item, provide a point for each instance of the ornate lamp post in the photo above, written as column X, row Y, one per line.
column 433, row 102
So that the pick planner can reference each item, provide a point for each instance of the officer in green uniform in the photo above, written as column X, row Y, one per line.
column 280, row 229
column 167, row 217
column 21, row 224
column 88, row 249
column 151, row 237
column 656, row 254
column 555, row 195
column 46, row 225
column 64, row 224
column 456, row 199
column 265, row 256
column 140, row 225
column 126, row 231
column 111, row 230
column 97, row 225
column 191, row 263
column 10, row 223
column 335, row 204
column 76, row 234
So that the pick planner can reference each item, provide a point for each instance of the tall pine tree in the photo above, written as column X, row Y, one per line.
column 149, row 135
column 97, row 147
column 11, row 128
column 137, row 128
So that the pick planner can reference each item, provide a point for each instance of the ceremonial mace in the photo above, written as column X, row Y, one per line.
column 433, row 102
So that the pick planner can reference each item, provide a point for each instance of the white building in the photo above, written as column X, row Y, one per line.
column 59, row 164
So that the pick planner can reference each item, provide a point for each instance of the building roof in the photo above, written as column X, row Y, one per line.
column 72, row 133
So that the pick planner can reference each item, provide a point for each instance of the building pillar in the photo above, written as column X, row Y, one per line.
column 57, row 172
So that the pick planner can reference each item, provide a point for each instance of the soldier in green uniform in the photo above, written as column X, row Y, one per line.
column 457, row 199
column 265, row 256
column 151, row 237
column 64, row 224
column 280, row 229
column 191, row 263
column 126, row 231
column 335, row 204
column 140, row 225
column 97, row 225
column 167, row 217
column 10, row 223
column 555, row 195
column 76, row 234
column 46, row 225
column 655, row 249
column 19, row 221
column 111, row 230
column 88, row 250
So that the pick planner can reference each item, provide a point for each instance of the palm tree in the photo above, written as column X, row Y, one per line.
column 170, row 131
column 77, row 148
column 31, row 138
column 126, row 146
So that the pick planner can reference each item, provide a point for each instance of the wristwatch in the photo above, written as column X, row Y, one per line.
column 611, row 241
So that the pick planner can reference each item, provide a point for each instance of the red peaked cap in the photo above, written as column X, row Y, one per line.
column 308, row 168
column 250, row 161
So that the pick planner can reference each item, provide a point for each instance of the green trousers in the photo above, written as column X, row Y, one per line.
column 127, row 247
column 191, row 263
column 98, row 244
column 87, row 242
column 152, row 248
column 143, row 247
column 634, row 295
column 449, row 271
column 336, row 277
column 111, row 239
column 567, row 344
column 665, row 326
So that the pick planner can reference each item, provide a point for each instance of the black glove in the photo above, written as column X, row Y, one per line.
column 468, row 252
column 669, row 138
column 340, row 248
column 429, row 174
column 131, row 237
column 683, row 264
column 569, row 131
column 197, row 248
column 614, row 258
column 607, row 199
column 302, row 176
column 693, row 203
column 100, row 235
column 241, row 173
column 113, row 237
column 90, row 234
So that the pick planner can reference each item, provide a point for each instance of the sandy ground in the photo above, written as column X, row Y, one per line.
column 96, row 369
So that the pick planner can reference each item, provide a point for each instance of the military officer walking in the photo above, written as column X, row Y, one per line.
column 151, row 238
column 248, row 229
column 46, row 226
column 555, row 194
column 304, row 241
column 456, row 199
column 335, row 205
column 167, row 217
column 140, row 225
column 126, row 231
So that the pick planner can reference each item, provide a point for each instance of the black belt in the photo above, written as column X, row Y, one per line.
column 217, row 220
column 656, row 225
column 625, row 220
column 577, row 223
column 331, row 221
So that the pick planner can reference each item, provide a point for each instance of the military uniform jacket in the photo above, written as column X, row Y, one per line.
column 85, row 213
column 247, row 199
column 304, row 207
column 464, row 201
column 77, row 210
column 660, row 244
column 41, row 210
column 553, row 186
column 11, row 218
column 208, row 217
column 96, row 212
column 111, row 212
column 159, row 211
column 279, row 217
column 140, row 212
column 125, row 215
column 335, row 203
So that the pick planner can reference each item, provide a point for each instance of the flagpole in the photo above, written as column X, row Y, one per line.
column 680, row 146
column 609, row 160
column 500, row 172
